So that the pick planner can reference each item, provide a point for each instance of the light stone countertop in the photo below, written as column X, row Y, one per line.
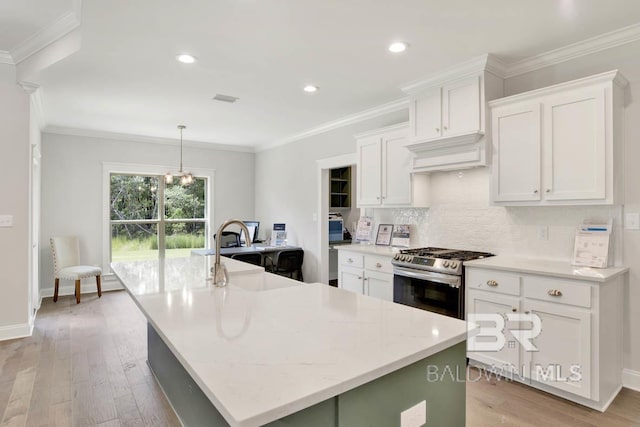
column 547, row 267
column 267, row 346
column 389, row 251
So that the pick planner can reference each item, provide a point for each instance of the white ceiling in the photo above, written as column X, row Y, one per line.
column 125, row 78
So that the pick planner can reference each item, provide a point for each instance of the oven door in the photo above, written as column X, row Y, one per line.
column 436, row 292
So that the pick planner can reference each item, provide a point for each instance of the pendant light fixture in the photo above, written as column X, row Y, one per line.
column 186, row 178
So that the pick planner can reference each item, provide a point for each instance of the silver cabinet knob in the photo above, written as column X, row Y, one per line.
column 437, row 129
column 548, row 190
column 350, row 260
column 445, row 128
column 492, row 283
column 378, row 265
column 535, row 191
column 554, row 293
column 514, row 309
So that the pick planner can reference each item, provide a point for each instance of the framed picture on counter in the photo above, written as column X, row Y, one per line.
column 384, row 234
column 401, row 235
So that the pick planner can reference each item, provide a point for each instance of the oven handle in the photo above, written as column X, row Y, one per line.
column 453, row 281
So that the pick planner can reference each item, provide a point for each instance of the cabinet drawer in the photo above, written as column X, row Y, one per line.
column 557, row 290
column 494, row 281
column 378, row 263
column 351, row 259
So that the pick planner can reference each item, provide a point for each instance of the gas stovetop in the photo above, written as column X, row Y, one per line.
column 447, row 261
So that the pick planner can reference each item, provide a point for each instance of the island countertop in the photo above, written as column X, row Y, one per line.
column 267, row 346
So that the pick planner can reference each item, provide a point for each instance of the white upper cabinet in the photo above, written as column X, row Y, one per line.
column 384, row 170
column 452, row 109
column 447, row 116
column 559, row 145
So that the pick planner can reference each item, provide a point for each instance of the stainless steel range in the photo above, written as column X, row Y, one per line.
column 432, row 279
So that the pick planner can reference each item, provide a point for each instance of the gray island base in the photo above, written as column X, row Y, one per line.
column 438, row 380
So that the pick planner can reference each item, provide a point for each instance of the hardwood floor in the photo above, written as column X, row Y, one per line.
column 85, row 366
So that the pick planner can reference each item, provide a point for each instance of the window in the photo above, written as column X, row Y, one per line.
column 144, row 218
column 150, row 219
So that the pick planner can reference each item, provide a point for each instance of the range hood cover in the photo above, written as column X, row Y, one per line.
column 454, row 152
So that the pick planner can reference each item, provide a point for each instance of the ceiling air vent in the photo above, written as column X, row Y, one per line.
column 225, row 98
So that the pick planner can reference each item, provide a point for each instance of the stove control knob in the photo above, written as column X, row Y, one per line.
column 445, row 264
column 396, row 257
column 454, row 265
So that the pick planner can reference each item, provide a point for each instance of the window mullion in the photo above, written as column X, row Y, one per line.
column 161, row 218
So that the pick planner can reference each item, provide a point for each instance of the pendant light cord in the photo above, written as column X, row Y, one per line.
column 181, row 127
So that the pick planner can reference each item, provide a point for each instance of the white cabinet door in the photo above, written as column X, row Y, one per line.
column 369, row 171
column 351, row 279
column 396, row 170
column 379, row 285
column 425, row 115
column 461, row 107
column 516, row 152
column 575, row 145
column 505, row 357
column 563, row 347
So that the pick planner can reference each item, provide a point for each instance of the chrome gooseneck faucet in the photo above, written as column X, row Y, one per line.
column 220, row 277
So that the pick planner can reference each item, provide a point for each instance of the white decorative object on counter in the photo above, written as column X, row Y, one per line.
column 560, row 145
column 592, row 243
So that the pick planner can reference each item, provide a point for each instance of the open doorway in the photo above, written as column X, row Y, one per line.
column 325, row 166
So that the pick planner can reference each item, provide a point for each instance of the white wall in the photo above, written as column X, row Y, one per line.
column 287, row 187
column 14, row 200
column 72, row 186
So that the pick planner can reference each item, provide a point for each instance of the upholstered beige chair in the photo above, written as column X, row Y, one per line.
column 66, row 264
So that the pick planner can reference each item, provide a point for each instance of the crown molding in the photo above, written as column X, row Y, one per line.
column 6, row 58
column 486, row 62
column 47, row 35
column 582, row 48
column 29, row 88
column 61, row 130
column 390, row 107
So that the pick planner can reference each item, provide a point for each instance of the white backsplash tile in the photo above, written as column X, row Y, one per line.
column 461, row 217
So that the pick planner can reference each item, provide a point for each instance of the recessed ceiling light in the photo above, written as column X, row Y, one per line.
column 185, row 58
column 398, row 47
column 310, row 88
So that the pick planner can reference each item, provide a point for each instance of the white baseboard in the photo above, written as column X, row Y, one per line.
column 109, row 283
column 631, row 379
column 15, row 331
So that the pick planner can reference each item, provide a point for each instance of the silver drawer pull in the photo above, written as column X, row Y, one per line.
column 555, row 293
column 492, row 283
column 378, row 265
column 349, row 260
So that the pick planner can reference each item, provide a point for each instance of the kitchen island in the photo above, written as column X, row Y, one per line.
column 267, row 350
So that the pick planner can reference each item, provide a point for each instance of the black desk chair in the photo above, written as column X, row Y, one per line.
column 230, row 239
column 288, row 262
column 250, row 258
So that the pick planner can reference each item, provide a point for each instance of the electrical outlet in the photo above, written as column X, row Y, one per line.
column 632, row 221
column 6, row 220
column 543, row 232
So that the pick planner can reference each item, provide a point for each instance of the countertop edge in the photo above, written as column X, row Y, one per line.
column 524, row 265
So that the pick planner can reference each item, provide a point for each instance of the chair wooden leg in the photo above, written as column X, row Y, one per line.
column 99, row 286
column 77, row 291
column 55, row 290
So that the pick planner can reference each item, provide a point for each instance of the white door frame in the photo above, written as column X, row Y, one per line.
column 324, row 165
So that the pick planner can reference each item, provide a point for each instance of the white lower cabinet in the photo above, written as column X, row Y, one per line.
column 563, row 356
column 366, row 274
column 559, row 334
